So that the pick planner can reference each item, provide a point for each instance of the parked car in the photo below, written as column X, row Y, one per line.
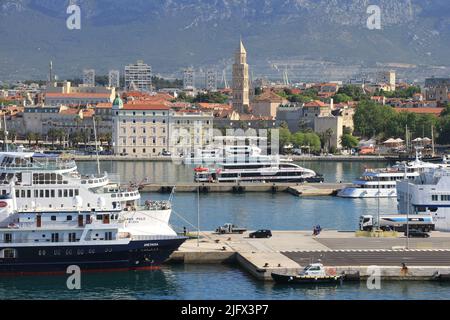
column 417, row 234
column 261, row 234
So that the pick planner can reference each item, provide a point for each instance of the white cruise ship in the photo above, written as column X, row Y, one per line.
column 428, row 193
column 46, row 181
column 49, row 240
column 381, row 183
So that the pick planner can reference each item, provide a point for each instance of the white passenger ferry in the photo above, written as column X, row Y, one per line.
column 48, row 181
column 267, row 169
column 428, row 193
column 381, row 183
column 49, row 240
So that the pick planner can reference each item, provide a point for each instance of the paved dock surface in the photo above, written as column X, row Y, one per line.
column 290, row 251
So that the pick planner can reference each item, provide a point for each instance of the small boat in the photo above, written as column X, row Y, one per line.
column 312, row 274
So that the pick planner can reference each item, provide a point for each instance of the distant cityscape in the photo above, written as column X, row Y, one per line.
column 142, row 115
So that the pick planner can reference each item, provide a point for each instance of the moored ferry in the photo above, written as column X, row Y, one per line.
column 49, row 240
column 267, row 170
column 427, row 194
column 381, row 183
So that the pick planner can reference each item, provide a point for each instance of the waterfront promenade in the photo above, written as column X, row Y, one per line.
column 334, row 158
column 340, row 252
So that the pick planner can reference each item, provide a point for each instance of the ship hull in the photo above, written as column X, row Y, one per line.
column 136, row 255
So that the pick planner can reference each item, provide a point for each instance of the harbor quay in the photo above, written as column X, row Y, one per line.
column 152, row 158
column 296, row 189
column 341, row 252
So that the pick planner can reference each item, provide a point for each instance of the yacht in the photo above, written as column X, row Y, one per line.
column 259, row 169
column 381, row 183
column 428, row 193
column 49, row 240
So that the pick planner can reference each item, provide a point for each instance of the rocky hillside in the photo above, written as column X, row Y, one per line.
column 171, row 34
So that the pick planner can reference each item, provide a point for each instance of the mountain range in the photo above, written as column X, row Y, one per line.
column 323, row 38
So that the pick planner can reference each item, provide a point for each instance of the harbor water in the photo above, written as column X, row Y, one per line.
column 251, row 210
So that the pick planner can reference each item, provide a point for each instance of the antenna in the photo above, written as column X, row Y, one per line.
column 96, row 146
column 5, row 140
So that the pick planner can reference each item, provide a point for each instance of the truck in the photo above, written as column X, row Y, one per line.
column 397, row 222
column 229, row 228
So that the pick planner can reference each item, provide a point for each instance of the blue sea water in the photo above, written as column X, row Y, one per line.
column 252, row 210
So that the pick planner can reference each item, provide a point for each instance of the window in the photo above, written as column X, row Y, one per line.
column 8, row 254
column 53, row 218
column 60, row 193
column 69, row 218
column 77, row 192
column 7, row 237
column 55, row 237
column 72, row 237
column 434, row 198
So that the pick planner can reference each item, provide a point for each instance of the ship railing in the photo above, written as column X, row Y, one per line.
column 157, row 205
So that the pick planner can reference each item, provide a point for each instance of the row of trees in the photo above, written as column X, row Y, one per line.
column 209, row 97
column 375, row 120
column 61, row 137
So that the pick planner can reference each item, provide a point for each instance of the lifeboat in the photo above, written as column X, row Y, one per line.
column 201, row 169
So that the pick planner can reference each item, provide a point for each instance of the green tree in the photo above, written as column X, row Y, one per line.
column 349, row 142
column 341, row 97
column 285, row 137
column 356, row 93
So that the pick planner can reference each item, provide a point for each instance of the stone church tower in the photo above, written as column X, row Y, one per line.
column 241, row 85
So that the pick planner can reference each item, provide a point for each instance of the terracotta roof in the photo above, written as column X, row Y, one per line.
column 77, row 95
column 103, row 105
column 70, row 111
column 315, row 104
column 145, row 106
column 89, row 113
column 434, row 111
column 269, row 96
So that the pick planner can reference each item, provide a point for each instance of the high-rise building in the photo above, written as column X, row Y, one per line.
column 114, row 79
column 89, row 77
column 138, row 77
column 241, row 98
column 189, row 79
column 211, row 80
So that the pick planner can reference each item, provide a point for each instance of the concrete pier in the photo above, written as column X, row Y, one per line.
column 297, row 189
column 341, row 252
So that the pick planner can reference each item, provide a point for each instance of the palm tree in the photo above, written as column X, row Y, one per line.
column 30, row 137
column 37, row 137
